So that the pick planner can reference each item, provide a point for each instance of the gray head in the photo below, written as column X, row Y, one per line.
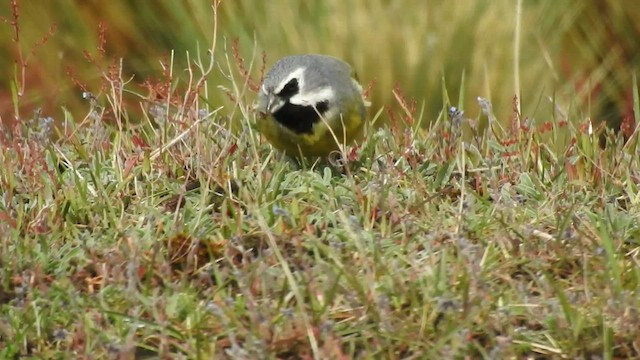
column 299, row 89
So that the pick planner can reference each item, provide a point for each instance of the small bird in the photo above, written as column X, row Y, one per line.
column 310, row 104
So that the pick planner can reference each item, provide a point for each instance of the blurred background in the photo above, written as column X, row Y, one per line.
column 582, row 54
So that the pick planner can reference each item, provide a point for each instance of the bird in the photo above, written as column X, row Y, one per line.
column 310, row 105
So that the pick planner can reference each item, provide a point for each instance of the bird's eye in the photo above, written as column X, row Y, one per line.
column 290, row 89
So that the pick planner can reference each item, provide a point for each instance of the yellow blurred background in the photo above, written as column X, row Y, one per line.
column 582, row 54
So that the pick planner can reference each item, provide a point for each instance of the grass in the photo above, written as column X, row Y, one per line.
column 580, row 53
column 476, row 235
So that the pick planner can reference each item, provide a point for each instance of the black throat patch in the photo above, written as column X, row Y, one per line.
column 298, row 118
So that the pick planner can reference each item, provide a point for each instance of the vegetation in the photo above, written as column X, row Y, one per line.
column 468, row 223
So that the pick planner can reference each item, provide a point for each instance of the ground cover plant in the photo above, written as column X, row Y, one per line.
column 158, row 223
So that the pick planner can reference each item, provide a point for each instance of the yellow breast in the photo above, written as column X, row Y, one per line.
column 327, row 135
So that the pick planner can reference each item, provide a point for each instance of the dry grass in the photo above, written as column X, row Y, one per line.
column 566, row 50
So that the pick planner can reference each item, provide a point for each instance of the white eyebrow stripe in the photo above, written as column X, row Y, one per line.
column 297, row 74
column 313, row 98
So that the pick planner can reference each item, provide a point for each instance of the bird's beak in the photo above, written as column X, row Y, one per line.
column 269, row 104
column 274, row 104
